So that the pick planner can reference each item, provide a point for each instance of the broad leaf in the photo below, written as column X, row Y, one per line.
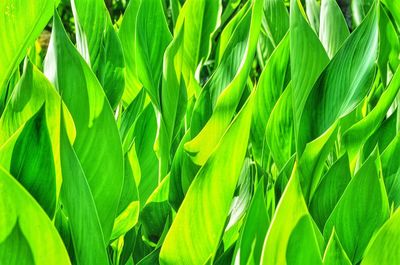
column 279, row 133
column 358, row 134
column 102, row 163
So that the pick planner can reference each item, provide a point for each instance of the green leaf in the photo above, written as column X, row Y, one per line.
column 129, row 118
column 225, row 92
column 361, row 210
column 344, row 83
column 230, row 6
column 102, row 163
column 279, row 133
column 173, row 102
column 389, row 45
column 15, row 248
column 152, row 258
column 145, row 36
column 391, row 171
column 275, row 24
column 270, row 86
column 182, row 173
column 127, row 35
column 198, row 19
column 32, row 92
column 32, row 162
column 79, row 205
column 129, row 204
column 240, row 203
column 307, row 63
column 312, row 162
column 155, row 212
column 329, row 190
column 359, row 9
column 334, row 253
column 333, row 29
column 382, row 136
column 302, row 245
column 18, row 31
column 358, row 134
column 21, row 215
column 249, row 246
column 313, row 14
column 145, row 134
column 290, row 223
column 394, row 10
column 383, row 249
column 207, row 202
column 99, row 44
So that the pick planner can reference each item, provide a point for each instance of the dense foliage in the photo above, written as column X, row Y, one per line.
column 199, row 132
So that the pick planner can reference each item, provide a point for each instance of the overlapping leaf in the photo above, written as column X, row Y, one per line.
column 344, row 83
column 25, row 228
column 99, row 44
column 18, row 34
column 361, row 210
column 144, row 36
column 207, row 202
column 91, row 112
column 225, row 88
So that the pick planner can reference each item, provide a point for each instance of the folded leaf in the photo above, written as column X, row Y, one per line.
column 333, row 29
column 33, row 91
column 275, row 24
column 358, row 134
column 250, row 243
column 18, row 31
column 198, row 19
column 391, row 171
